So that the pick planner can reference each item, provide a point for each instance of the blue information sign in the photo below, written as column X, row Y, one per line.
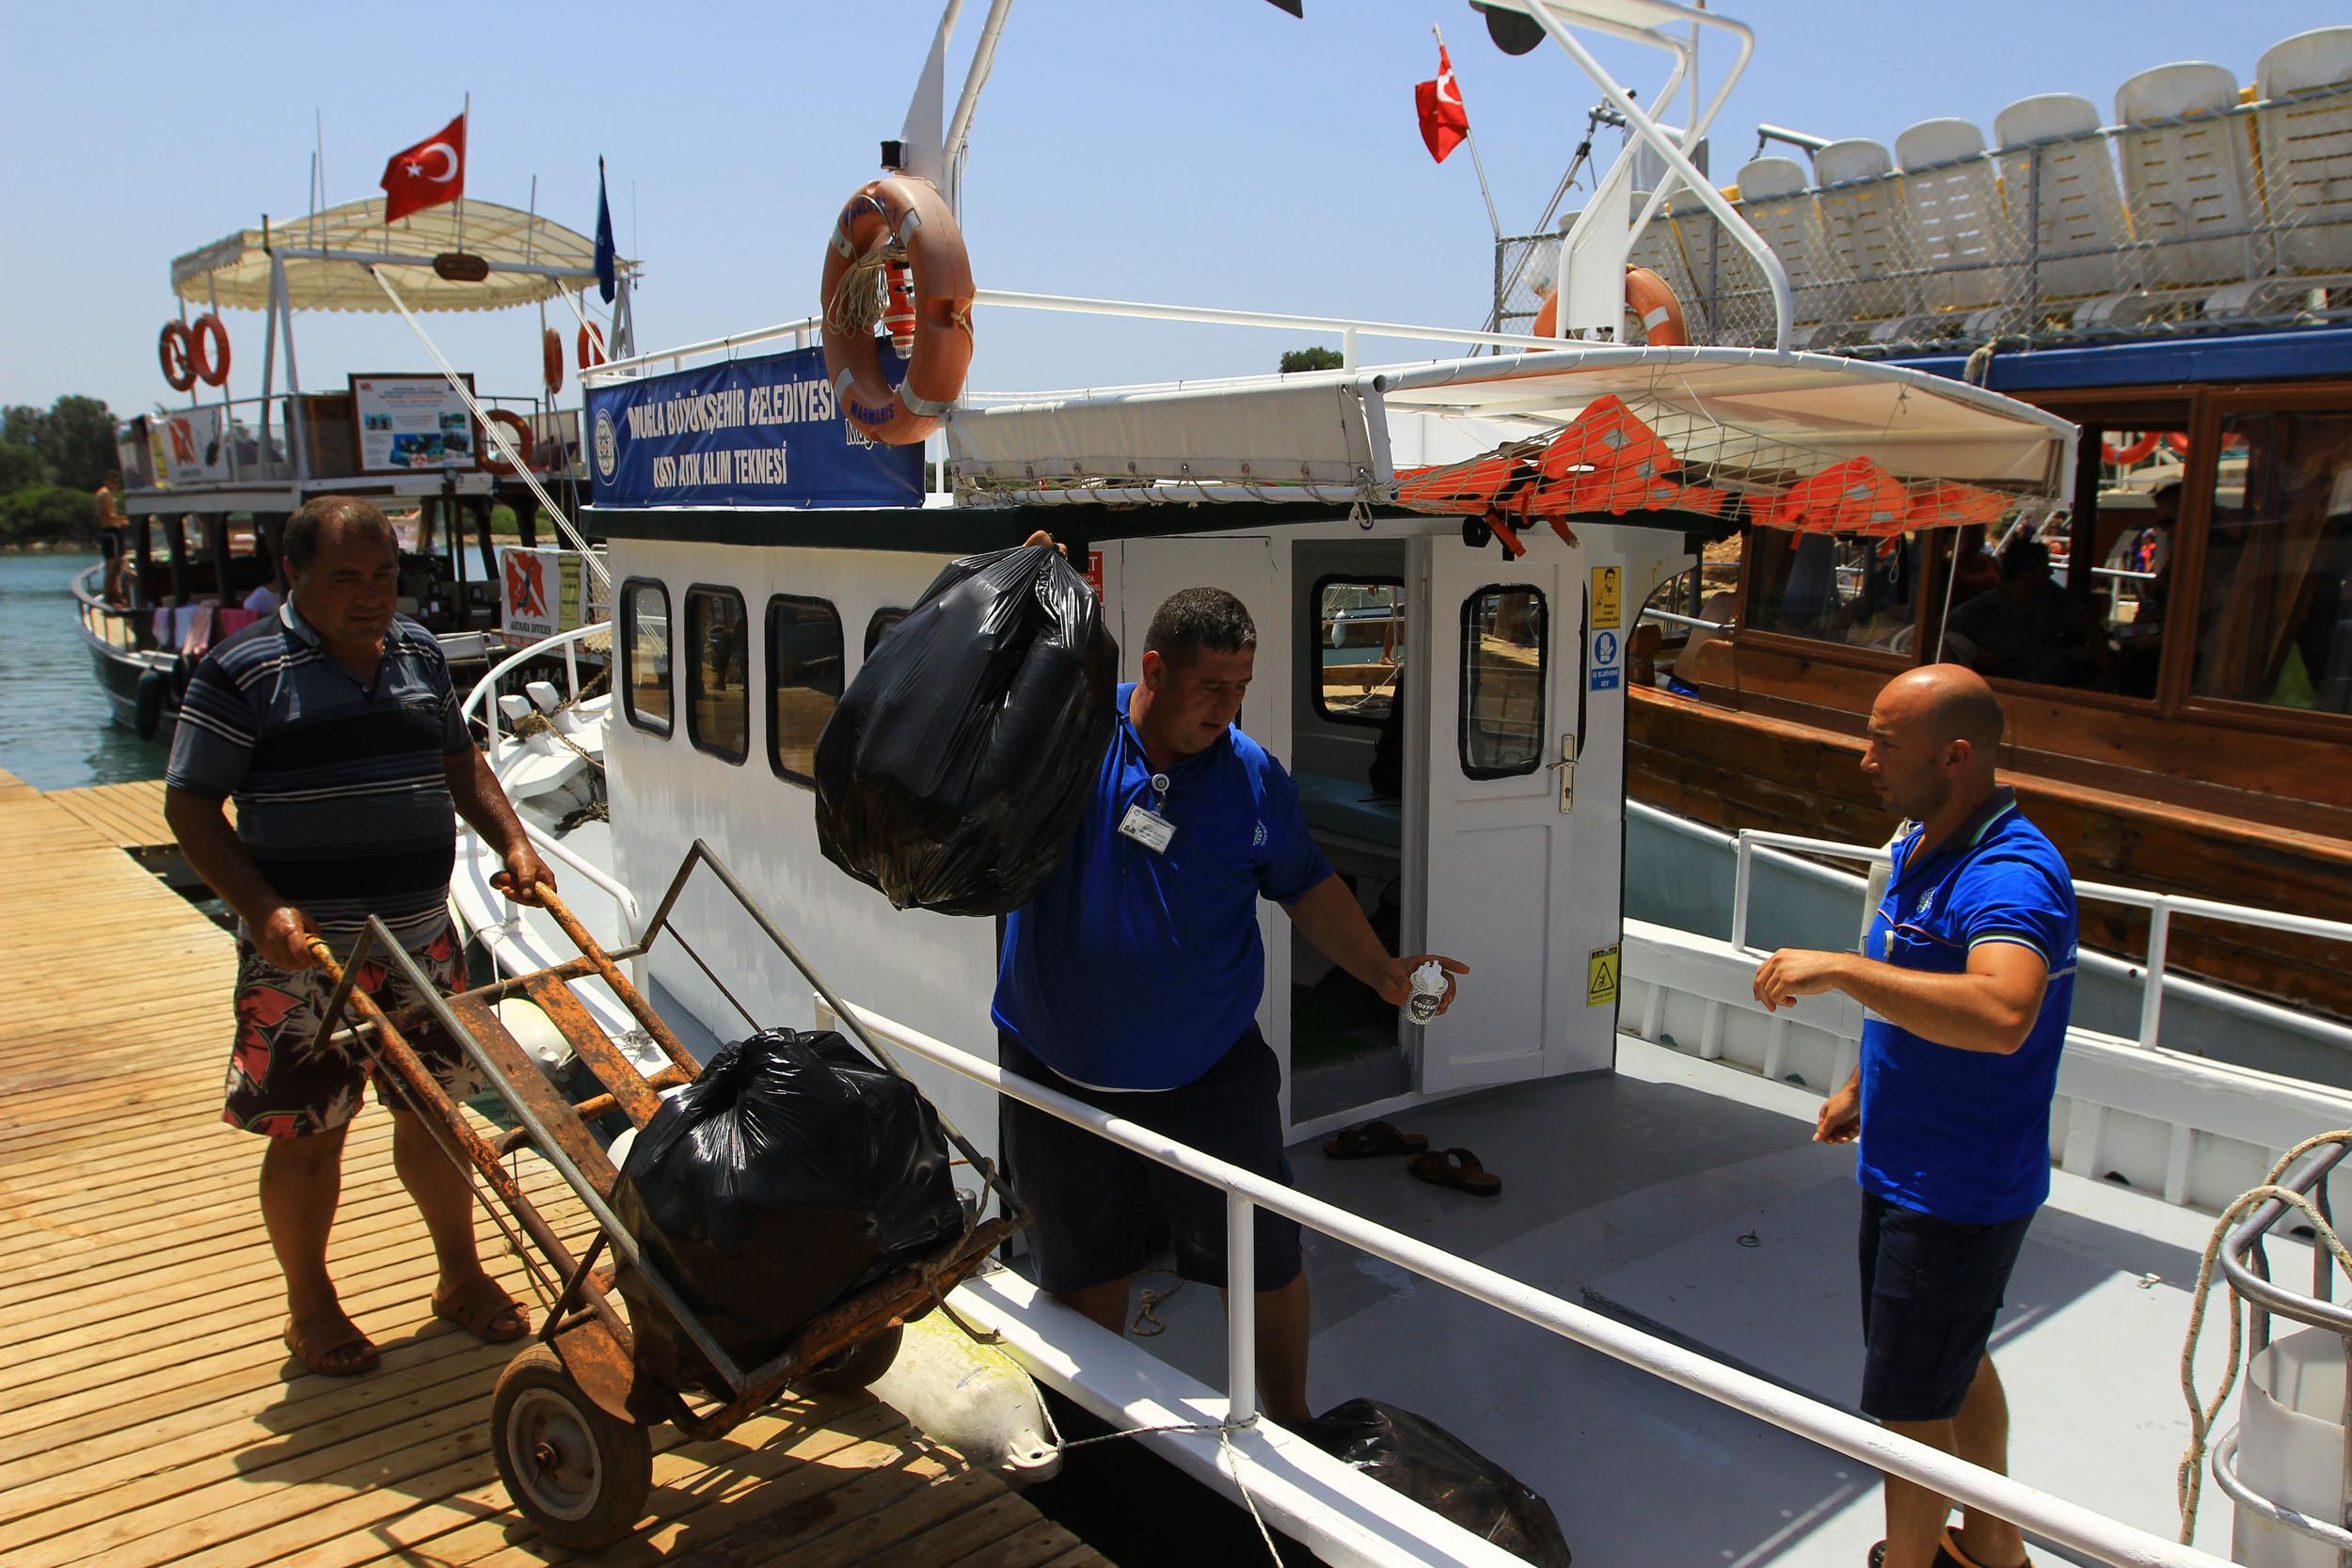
column 765, row 432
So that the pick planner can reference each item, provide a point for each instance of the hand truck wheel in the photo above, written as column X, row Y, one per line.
column 578, row 1474
column 846, row 1371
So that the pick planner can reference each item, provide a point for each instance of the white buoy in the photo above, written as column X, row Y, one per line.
column 971, row 1397
column 2291, row 1449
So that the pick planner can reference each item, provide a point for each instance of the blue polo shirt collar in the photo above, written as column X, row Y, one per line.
column 1965, row 839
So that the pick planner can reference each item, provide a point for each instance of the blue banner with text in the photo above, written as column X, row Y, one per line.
column 765, row 432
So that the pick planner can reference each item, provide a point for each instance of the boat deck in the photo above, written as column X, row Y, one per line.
column 151, row 1415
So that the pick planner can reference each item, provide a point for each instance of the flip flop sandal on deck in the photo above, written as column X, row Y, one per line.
column 477, row 1309
column 1948, row 1554
column 317, row 1341
column 1458, row 1168
column 1374, row 1138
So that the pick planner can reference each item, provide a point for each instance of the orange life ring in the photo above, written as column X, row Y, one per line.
column 551, row 361
column 211, row 369
column 491, row 459
column 909, row 214
column 178, row 355
column 1646, row 296
column 2126, row 456
column 590, row 344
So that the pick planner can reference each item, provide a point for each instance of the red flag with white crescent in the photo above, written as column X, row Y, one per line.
column 1444, row 123
column 427, row 174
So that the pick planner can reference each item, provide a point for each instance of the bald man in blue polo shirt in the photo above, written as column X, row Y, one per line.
column 1966, row 989
column 1132, row 982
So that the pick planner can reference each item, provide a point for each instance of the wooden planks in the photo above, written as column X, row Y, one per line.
column 151, row 1416
column 128, row 815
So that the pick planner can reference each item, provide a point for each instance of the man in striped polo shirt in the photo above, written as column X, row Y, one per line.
column 333, row 726
column 1965, row 988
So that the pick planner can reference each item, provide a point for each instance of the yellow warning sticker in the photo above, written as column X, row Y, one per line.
column 1608, row 613
column 1600, row 979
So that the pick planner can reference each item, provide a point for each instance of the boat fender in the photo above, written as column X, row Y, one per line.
column 147, row 714
column 888, row 219
column 178, row 355
column 551, row 361
column 1646, row 296
column 589, row 341
column 971, row 1397
column 208, row 349
column 495, row 460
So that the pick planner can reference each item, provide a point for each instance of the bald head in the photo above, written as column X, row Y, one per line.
column 1934, row 738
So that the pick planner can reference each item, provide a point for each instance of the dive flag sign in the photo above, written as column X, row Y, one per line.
column 765, row 432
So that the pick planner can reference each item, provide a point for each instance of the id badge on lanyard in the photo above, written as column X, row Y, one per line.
column 1145, row 824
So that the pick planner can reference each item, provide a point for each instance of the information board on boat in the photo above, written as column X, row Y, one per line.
column 765, row 432
column 411, row 423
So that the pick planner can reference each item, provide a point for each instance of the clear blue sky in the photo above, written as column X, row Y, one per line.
column 1200, row 152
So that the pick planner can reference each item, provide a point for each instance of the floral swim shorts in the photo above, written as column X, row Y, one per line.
column 285, row 1082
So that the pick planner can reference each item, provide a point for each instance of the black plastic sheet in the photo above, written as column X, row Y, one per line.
column 1416, row 1456
column 793, row 1173
column 960, row 760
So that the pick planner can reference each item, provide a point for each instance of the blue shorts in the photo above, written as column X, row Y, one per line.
column 1096, row 1204
column 1931, row 1290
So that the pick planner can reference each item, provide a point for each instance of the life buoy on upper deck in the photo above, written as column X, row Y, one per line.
column 492, row 458
column 1646, row 296
column 177, row 356
column 208, row 349
column 898, row 218
column 590, row 343
column 551, row 361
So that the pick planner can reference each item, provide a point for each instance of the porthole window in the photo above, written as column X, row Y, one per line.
column 1359, row 648
column 645, row 655
column 879, row 627
column 717, row 673
column 803, row 681
column 1503, row 641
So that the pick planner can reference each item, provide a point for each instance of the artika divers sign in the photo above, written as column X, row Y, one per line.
column 765, row 432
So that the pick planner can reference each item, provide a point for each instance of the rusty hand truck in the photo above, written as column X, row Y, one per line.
column 570, row 1416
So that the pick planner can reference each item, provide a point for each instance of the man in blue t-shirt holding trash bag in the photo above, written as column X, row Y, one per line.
column 1132, row 980
column 1965, row 988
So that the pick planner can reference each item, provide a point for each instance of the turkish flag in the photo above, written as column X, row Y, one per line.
column 1444, row 123
column 427, row 174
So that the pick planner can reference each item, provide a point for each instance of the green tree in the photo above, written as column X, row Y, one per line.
column 1316, row 358
column 78, row 442
column 20, row 452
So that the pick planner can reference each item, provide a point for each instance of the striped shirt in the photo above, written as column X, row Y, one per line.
column 343, row 797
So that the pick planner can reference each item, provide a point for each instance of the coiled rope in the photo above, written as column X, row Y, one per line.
column 2189, row 1483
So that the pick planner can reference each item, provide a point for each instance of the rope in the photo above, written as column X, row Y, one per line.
column 1224, row 1431
column 857, row 304
column 497, row 433
column 2189, row 1483
column 535, row 723
column 1147, row 1322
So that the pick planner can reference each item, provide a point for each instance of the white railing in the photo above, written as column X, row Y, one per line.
column 2161, row 907
column 484, row 698
column 2072, row 1526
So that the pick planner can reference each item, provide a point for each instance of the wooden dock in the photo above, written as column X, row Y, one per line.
column 151, row 1415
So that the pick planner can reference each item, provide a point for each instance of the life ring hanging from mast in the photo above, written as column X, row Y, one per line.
column 208, row 349
column 178, row 355
column 1646, row 296
column 899, row 218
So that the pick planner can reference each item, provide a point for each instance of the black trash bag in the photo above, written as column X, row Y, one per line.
column 793, row 1173
column 1416, row 1456
column 958, row 764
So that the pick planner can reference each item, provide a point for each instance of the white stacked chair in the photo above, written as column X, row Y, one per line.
column 2079, row 224
column 2191, row 183
column 1866, row 229
column 2306, row 149
column 1776, row 200
column 1959, row 225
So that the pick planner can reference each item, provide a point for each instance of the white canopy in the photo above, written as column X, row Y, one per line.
column 531, row 258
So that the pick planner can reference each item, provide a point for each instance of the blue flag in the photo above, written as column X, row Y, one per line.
column 606, row 278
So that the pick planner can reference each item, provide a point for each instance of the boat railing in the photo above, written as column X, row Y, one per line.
column 1948, row 253
column 117, row 625
column 2160, row 906
column 1691, row 622
column 2071, row 1526
column 253, row 440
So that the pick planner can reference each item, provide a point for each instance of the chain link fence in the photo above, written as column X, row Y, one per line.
column 2201, row 212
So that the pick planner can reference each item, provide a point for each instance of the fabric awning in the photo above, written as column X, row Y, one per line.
column 531, row 258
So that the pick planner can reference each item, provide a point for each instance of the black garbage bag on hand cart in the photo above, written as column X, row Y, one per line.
column 958, row 763
column 793, row 1173
column 1414, row 1455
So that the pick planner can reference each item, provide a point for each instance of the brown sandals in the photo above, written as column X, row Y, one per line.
column 484, row 1309
column 331, row 1345
column 1458, row 1168
column 1374, row 1138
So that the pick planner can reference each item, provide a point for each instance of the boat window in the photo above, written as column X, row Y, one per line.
column 718, row 679
column 877, row 628
column 1504, row 640
column 803, row 681
column 1846, row 587
column 1359, row 648
column 2275, row 621
column 645, row 648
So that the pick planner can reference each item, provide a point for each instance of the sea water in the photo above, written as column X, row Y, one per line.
column 55, row 730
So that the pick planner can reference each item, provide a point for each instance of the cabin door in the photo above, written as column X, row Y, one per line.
column 1504, row 637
